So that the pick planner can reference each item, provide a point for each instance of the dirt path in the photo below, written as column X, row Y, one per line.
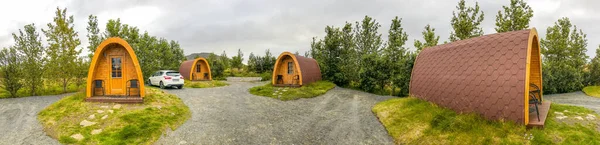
column 18, row 120
column 231, row 115
column 577, row 99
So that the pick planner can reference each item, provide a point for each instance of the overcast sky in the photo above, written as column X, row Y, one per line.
column 257, row 25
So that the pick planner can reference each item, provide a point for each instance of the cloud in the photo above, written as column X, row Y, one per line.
column 253, row 26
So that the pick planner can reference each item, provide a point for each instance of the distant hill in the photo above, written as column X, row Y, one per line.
column 193, row 55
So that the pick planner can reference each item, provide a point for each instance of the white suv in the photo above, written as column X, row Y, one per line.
column 166, row 78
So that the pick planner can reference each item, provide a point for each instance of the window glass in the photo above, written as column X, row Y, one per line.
column 117, row 69
column 173, row 73
column 198, row 68
column 290, row 67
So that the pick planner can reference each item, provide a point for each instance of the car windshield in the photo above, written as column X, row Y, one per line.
column 173, row 74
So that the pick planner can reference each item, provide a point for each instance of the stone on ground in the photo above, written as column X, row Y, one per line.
column 105, row 107
column 96, row 131
column 111, row 111
column 78, row 136
column 104, row 117
column 93, row 116
column 590, row 117
column 86, row 123
column 100, row 111
column 561, row 117
column 118, row 106
column 274, row 94
column 579, row 117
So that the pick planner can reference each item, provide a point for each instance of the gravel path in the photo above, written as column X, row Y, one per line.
column 577, row 99
column 231, row 115
column 18, row 120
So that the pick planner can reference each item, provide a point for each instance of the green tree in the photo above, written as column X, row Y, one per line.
column 394, row 57
column 515, row 17
column 430, row 39
column 93, row 35
column 29, row 44
column 225, row 60
column 368, row 44
column 466, row 22
column 236, row 61
column 348, row 56
column 594, row 69
column 217, row 68
column 10, row 61
column 564, row 57
column 63, row 40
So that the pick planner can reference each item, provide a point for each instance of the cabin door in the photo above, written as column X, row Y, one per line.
column 198, row 72
column 117, row 85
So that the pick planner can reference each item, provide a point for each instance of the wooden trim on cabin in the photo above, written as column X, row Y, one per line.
column 98, row 52
column 194, row 68
column 281, row 56
column 533, row 38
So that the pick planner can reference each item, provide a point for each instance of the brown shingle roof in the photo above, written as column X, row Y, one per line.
column 485, row 75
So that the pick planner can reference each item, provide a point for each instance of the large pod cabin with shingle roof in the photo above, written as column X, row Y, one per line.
column 114, row 74
column 294, row 71
column 498, row 76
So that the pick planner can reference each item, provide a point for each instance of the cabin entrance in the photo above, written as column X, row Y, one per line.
column 117, row 84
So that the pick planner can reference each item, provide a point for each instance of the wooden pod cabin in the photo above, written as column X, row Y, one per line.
column 294, row 71
column 497, row 76
column 195, row 70
column 114, row 74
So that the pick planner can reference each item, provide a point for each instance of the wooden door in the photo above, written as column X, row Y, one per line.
column 198, row 72
column 117, row 84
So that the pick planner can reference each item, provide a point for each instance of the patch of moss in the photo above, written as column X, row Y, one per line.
column 131, row 124
column 593, row 91
column 413, row 121
column 291, row 93
column 204, row 84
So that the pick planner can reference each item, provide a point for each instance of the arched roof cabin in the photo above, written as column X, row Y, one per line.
column 114, row 74
column 293, row 70
column 493, row 75
column 196, row 70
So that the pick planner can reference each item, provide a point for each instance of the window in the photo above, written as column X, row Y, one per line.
column 173, row 73
column 290, row 67
column 117, row 70
column 197, row 67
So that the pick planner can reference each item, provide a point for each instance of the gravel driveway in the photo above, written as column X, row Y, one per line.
column 18, row 120
column 576, row 98
column 231, row 115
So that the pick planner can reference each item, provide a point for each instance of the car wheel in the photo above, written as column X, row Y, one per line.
column 149, row 82
column 180, row 87
column 162, row 86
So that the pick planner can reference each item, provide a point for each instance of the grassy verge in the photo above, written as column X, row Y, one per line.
column 47, row 89
column 413, row 121
column 287, row 93
column 593, row 91
column 204, row 84
column 131, row 124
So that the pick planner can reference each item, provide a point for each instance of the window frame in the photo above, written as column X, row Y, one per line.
column 116, row 73
column 290, row 65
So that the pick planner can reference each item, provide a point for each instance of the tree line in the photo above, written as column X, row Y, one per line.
column 356, row 56
column 29, row 64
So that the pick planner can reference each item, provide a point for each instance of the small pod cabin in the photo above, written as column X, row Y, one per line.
column 497, row 76
column 195, row 70
column 294, row 71
column 114, row 74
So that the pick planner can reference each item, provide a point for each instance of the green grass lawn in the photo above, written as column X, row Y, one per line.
column 593, row 91
column 131, row 124
column 290, row 93
column 47, row 89
column 413, row 121
column 204, row 84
